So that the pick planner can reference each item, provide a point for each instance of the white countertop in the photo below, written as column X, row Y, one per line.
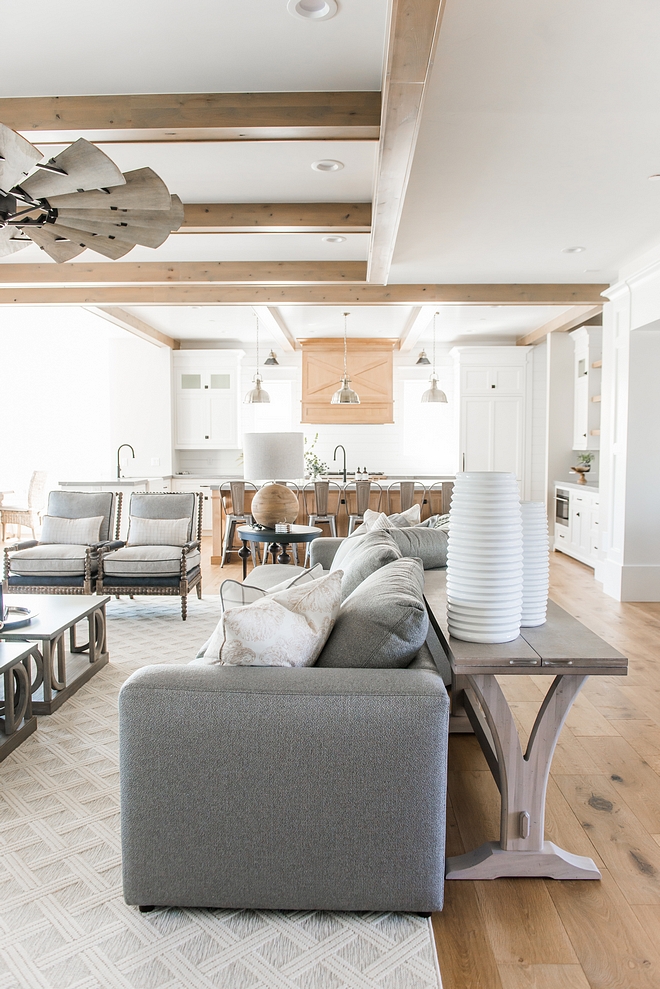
column 573, row 485
column 130, row 482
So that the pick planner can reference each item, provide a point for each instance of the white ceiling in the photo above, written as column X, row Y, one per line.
column 540, row 128
column 200, row 46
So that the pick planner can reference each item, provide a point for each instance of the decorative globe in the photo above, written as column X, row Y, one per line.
column 274, row 503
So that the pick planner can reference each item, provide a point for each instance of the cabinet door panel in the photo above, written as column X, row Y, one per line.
column 508, row 379
column 477, row 432
column 507, row 441
column 191, row 419
column 222, row 411
column 476, row 380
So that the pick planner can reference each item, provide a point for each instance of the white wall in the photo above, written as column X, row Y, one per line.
column 72, row 387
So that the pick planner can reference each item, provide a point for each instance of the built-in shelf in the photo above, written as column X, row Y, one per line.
column 597, row 364
column 595, row 398
column 594, row 432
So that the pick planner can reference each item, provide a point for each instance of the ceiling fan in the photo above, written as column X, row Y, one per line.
column 79, row 199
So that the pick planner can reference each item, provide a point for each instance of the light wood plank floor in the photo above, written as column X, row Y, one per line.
column 603, row 801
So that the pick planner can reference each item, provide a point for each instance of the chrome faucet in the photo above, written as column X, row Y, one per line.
column 118, row 452
column 334, row 457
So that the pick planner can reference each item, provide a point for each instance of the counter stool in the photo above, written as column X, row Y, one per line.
column 320, row 503
column 237, row 515
column 363, row 491
column 407, row 492
column 440, row 493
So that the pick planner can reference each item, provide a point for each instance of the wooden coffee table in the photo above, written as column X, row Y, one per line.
column 562, row 648
column 17, row 721
column 61, row 672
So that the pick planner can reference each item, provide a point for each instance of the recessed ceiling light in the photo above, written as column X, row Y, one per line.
column 654, row 178
column 334, row 240
column 573, row 250
column 312, row 10
column 327, row 165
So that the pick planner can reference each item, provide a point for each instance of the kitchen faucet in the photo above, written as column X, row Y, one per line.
column 118, row 452
column 334, row 457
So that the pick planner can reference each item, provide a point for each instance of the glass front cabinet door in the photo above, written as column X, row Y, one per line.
column 206, row 402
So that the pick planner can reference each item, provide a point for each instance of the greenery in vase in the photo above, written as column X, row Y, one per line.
column 585, row 459
column 313, row 465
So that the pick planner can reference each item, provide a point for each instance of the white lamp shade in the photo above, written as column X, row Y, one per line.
column 273, row 456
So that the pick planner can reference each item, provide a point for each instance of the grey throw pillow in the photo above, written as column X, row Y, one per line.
column 359, row 558
column 429, row 545
column 383, row 623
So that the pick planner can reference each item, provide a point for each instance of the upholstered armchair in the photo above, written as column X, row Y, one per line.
column 64, row 560
column 161, row 554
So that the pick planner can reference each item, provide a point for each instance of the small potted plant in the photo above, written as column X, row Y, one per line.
column 315, row 468
column 583, row 466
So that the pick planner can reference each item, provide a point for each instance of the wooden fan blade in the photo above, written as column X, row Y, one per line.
column 8, row 242
column 176, row 214
column 149, row 236
column 143, row 189
column 59, row 250
column 112, row 249
column 134, row 217
column 19, row 156
column 86, row 167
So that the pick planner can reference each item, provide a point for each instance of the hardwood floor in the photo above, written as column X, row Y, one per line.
column 603, row 801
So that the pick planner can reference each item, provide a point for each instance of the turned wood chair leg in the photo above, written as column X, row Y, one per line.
column 184, row 607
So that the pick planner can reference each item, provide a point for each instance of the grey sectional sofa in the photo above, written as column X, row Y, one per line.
column 278, row 788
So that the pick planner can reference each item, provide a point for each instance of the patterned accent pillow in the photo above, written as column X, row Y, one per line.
column 233, row 594
column 289, row 628
column 399, row 520
column 70, row 532
column 157, row 532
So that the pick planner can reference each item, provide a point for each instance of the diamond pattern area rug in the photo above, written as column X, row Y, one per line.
column 63, row 921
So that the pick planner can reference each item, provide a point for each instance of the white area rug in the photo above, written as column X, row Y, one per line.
column 63, row 921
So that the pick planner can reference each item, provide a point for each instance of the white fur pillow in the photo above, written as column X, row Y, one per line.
column 288, row 628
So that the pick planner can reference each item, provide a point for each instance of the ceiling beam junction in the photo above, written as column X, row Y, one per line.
column 413, row 36
column 569, row 320
column 417, row 322
column 274, row 322
column 196, row 117
column 138, row 327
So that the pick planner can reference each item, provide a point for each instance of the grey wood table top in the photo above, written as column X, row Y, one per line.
column 561, row 645
column 56, row 612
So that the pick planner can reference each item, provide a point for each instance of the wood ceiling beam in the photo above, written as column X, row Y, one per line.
column 188, row 272
column 276, row 218
column 274, row 322
column 416, row 323
column 127, row 321
column 182, row 292
column 196, row 116
column 575, row 316
column 413, row 35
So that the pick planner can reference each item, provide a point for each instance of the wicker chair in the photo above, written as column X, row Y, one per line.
column 34, row 567
column 138, row 568
column 26, row 515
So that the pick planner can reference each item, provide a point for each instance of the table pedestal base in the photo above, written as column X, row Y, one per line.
column 491, row 861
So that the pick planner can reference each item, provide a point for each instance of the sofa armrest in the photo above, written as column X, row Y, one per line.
column 271, row 788
column 28, row 544
column 110, row 544
column 190, row 546
column 323, row 550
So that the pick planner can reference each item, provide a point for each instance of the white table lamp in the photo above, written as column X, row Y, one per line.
column 273, row 456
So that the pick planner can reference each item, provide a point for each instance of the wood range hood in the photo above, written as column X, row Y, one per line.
column 369, row 368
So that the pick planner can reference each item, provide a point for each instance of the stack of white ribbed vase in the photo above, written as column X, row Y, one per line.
column 536, row 568
column 485, row 558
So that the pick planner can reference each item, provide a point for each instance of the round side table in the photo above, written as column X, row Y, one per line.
column 277, row 541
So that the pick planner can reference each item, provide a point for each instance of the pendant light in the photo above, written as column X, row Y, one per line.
column 345, row 395
column 256, row 395
column 434, row 394
column 422, row 359
column 272, row 359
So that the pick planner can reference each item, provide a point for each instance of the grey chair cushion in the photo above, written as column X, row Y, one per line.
column 383, row 623
column 164, row 506
column 84, row 504
column 144, row 561
column 50, row 560
column 360, row 557
column 428, row 545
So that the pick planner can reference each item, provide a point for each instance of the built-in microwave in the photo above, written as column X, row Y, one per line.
column 562, row 506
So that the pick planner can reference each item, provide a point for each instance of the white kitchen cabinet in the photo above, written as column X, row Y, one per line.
column 492, row 389
column 578, row 535
column 206, row 399
column 587, row 341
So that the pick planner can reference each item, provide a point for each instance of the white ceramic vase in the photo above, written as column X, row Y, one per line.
column 536, row 566
column 485, row 558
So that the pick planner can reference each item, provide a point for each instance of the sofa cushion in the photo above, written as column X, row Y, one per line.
column 145, row 561
column 51, row 560
column 428, row 545
column 383, row 623
column 285, row 629
column 359, row 558
column 234, row 594
column 71, row 532
column 157, row 532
